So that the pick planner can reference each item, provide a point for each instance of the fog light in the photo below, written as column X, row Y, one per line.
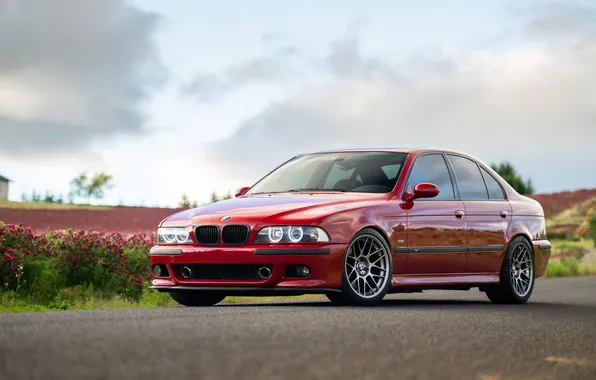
column 296, row 270
column 157, row 270
column 303, row 271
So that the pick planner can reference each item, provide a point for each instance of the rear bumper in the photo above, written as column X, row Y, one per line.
column 324, row 261
column 542, row 253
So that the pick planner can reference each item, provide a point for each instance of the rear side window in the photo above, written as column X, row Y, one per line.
column 432, row 168
column 469, row 178
column 494, row 189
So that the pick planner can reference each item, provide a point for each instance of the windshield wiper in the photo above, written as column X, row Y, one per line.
column 298, row 191
column 307, row 189
column 265, row 192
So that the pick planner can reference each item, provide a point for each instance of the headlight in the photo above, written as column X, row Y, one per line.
column 173, row 235
column 292, row 234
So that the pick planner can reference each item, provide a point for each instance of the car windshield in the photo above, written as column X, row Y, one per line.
column 363, row 172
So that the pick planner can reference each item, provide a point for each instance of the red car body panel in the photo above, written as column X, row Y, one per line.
column 434, row 243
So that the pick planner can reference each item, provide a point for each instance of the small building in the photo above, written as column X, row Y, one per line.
column 4, row 188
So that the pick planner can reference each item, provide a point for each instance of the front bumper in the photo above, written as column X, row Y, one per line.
column 324, row 261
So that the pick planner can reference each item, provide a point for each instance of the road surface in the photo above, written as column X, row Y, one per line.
column 435, row 335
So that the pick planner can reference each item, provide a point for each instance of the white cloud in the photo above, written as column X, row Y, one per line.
column 73, row 72
column 534, row 105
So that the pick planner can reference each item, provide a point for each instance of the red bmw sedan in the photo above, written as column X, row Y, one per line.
column 356, row 225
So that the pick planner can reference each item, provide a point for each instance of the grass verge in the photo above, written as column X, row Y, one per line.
column 569, row 267
column 12, row 302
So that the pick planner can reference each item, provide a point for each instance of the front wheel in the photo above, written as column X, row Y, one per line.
column 196, row 297
column 517, row 275
column 367, row 269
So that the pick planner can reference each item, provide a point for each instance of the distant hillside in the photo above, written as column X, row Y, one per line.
column 556, row 203
column 564, row 211
column 121, row 219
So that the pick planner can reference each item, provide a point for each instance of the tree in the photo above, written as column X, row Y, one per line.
column 509, row 174
column 49, row 197
column 186, row 203
column 592, row 230
column 216, row 198
column 90, row 187
column 36, row 198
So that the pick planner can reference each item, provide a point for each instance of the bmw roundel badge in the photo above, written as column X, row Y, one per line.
column 224, row 218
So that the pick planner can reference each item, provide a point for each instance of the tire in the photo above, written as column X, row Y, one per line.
column 196, row 297
column 517, row 275
column 367, row 265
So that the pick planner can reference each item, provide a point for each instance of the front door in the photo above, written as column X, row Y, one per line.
column 436, row 227
column 488, row 214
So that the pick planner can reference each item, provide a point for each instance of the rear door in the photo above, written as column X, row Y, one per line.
column 436, row 227
column 488, row 214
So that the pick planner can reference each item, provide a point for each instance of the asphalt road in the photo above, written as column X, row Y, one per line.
column 435, row 335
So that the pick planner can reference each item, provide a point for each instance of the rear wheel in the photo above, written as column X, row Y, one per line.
column 196, row 297
column 366, row 273
column 517, row 275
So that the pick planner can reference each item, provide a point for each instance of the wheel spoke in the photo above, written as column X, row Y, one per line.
column 375, row 252
column 351, row 253
column 370, row 248
column 352, row 272
column 377, row 260
column 376, row 266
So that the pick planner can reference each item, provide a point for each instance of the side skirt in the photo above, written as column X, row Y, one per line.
column 416, row 283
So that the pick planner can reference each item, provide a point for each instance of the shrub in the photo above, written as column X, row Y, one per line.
column 48, row 268
column 592, row 231
column 562, row 268
column 569, row 267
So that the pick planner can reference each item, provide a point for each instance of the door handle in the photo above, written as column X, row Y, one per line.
column 504, row 214
column 459, row 214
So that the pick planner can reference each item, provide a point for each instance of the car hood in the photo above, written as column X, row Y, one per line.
column 261, row 208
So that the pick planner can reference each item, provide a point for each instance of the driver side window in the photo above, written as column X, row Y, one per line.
column 432, row 168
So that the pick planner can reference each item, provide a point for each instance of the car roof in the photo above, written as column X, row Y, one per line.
column 389, row 149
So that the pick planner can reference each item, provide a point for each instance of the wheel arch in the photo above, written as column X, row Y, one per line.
column 377, row 229
column 523, row 235
column 520, row 227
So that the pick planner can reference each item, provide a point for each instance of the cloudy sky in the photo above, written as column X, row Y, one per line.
column 195, row 96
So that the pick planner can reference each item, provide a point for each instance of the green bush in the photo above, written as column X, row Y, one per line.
column 592, row 231
column 569, row 267
column 562, row 268
column 67, row 266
